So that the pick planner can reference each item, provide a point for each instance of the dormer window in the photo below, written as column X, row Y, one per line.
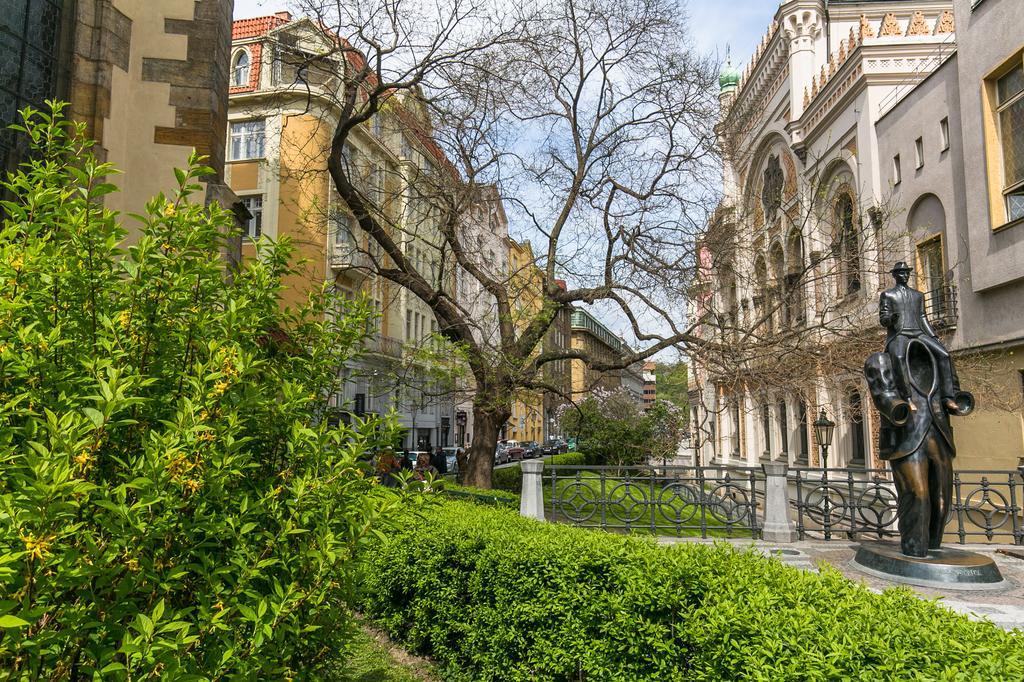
column 240, row 70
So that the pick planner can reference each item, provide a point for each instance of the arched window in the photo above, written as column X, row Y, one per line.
column 847, row 244
column 761, row 299
column 796, row 310
column 858, row 449
column 240, row 70
column 778, row 264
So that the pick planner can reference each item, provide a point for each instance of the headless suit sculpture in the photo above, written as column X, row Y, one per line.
column 915, row 388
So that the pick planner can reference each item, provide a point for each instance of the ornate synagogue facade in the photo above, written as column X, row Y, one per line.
column 792, row 263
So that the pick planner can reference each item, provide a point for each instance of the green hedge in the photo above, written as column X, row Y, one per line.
column 492, row 596
column 511, row 478
column 500, row 498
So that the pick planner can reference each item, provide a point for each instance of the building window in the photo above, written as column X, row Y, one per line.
column 254, row 204
column 240, row 71
column 247, row 138
column 783, row 426
column 766, row 430
column 771, row 189
column 944, row 133
column 929, row 265
column 858, row 451
column 34, row 63
column 344, row 230
column 848, row 245
column 897, row 172
column 734, row 417
column 919, row 152
column 804, row 444
column 1010, row 116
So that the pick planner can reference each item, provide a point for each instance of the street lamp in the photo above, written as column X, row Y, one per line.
column 823, row 430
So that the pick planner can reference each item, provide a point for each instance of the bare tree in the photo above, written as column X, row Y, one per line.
column 594, row 119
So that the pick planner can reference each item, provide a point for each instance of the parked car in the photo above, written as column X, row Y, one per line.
column 412, row 455
column 553, row 446
column 501, row 454
column 531, row 449
column 452, row 460
column 514, row 451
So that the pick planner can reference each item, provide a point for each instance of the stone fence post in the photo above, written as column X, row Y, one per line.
column 776, row 526
column 531, row 502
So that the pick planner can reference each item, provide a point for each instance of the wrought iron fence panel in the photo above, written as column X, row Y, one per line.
column 853, row 503
column 861, row 504
column 986, row 505
column 713, row 501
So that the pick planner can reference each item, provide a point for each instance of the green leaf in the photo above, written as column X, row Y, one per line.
column 9, row 621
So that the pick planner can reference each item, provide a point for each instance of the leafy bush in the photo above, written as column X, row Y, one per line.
column 471, row 494
column 616, row 431
column 511, row 478
column 493, row 596
column 173, row 504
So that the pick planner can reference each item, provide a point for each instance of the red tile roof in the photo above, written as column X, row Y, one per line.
column 258, row 26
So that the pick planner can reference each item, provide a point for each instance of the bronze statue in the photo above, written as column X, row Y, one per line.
column 915, row 388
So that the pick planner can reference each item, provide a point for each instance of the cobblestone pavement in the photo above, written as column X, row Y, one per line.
column 1003, row 606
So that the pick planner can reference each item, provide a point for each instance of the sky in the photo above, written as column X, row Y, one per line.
column 714, row 23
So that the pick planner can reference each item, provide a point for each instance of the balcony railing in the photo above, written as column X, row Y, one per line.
column 346, row 256
column 940, row 304
column 383, row 345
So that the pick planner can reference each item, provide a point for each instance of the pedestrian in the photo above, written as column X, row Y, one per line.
column 387, row 469
column 439, row 461
column 424, row 469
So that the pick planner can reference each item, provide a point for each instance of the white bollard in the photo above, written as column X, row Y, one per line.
column 531, row 501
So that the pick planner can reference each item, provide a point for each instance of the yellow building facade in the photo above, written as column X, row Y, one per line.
column 525, row 284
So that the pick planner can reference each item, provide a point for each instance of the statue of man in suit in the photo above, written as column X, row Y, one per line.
column 901, row 312
column 915, row 388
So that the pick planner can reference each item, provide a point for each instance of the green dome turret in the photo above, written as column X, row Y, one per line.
column 728, row 78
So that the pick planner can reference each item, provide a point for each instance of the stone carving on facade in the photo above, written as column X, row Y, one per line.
column 890, row 26
column 842, row 50
column 946, row 23
column 807, row 97
column 918, row 26
column 789, row 172
column 865, row 28
column 831, row 65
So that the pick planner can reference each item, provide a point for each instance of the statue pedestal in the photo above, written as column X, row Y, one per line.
column 945, row 568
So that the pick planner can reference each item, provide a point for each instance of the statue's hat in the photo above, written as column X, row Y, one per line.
column 900, row 267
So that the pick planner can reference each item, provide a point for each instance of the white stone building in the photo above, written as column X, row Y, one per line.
column 805, row 200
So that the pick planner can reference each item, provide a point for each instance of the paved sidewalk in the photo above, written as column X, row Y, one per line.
column 1004, row 606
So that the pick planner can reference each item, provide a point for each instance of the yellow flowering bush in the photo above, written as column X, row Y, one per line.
column 173, row 502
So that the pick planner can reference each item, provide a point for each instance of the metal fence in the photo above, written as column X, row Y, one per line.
column 850, row 503
column 665, row 500
column 729, row 502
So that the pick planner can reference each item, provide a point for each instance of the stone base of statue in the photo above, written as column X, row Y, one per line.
column 945, row 568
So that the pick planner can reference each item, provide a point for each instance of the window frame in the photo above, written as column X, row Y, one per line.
column 1017, row 188
column 919, row 153
column 897, row 171
column 243, row 147
column 257, row 217
column 944, row 133
column 235, row 69
column 856, row 422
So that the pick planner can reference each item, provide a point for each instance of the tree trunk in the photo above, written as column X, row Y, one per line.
column 486, row 425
